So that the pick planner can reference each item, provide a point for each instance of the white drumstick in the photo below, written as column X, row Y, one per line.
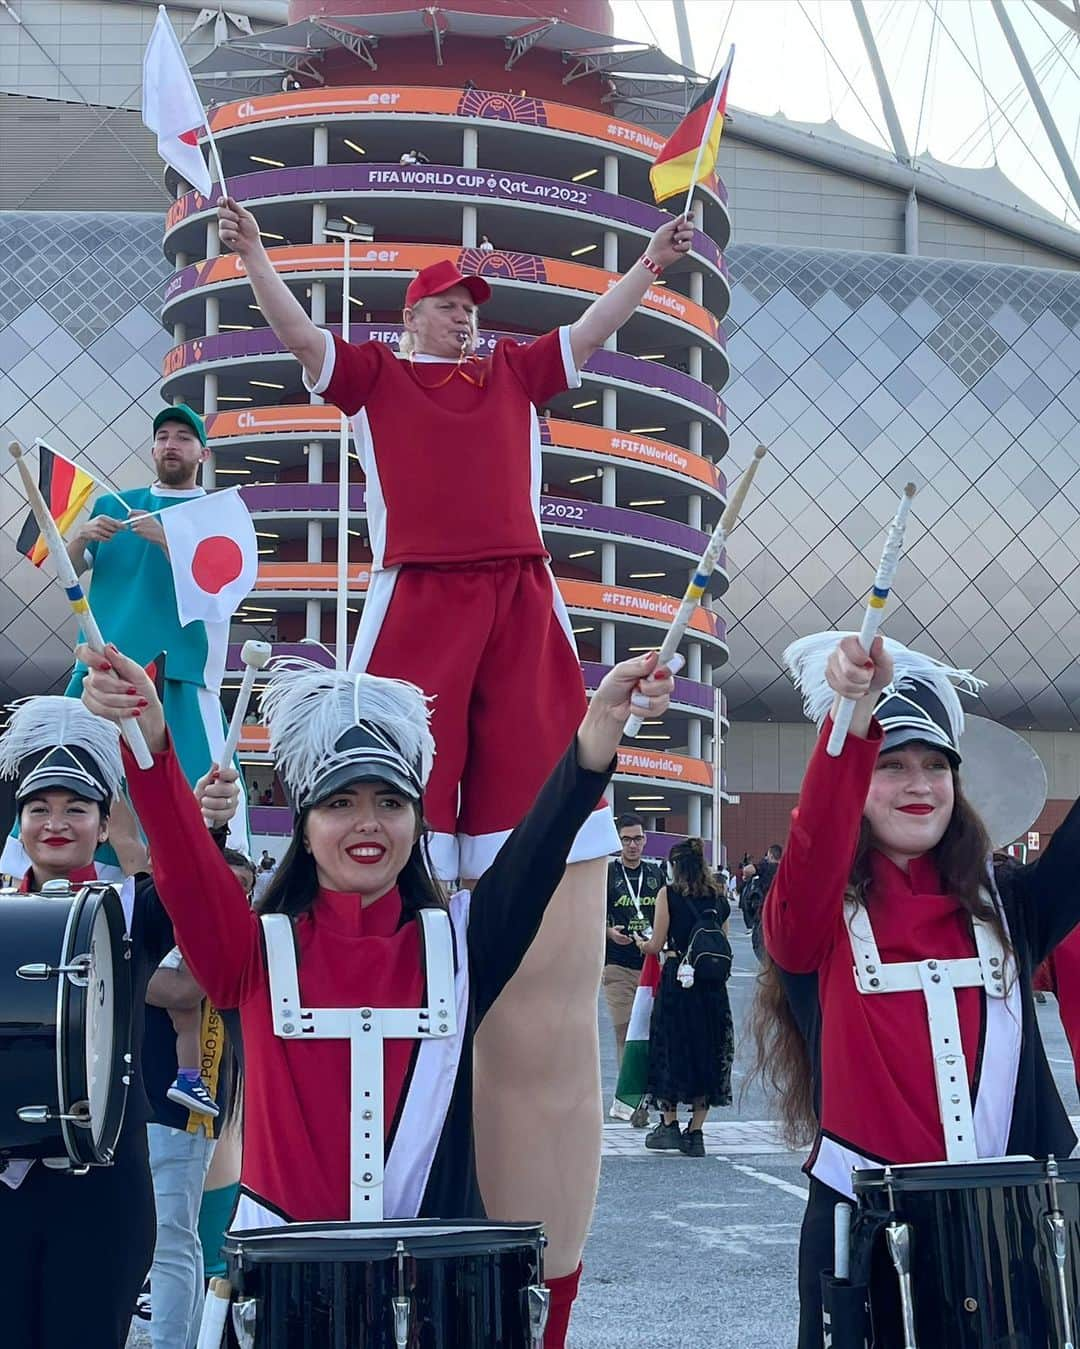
column 66, row 575
column 842, row 1242
column 215, row 1314
column 875, row 609
column 700, row 581
column 255, row 655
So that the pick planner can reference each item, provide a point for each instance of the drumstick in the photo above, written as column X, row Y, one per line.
column 705, row 568
column 215, row 1314
column 65, row 574
column 875, row 609
column 255, row 656
column 842, row 1242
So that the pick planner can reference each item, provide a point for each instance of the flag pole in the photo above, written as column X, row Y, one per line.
column 721, row 83
column 341, row 628
column 214, row 155
column 65, row 574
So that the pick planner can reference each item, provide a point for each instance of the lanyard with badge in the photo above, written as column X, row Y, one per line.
column 635, row 898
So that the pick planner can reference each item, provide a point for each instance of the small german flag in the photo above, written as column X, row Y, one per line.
column 689, row 153
column 65, row 488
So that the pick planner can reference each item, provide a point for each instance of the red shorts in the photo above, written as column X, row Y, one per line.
column 492, row 641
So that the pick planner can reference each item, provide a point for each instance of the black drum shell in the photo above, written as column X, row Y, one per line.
column 320, row 1285
column 983, row 1271
column 43, row 1062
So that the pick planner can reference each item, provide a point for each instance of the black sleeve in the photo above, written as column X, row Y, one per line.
column 1049, row 889
column 509, row 899
column 155, row 930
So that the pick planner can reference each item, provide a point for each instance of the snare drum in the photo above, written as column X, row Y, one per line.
column 65, row 1024
column 425, row 1285
column 992, row 1249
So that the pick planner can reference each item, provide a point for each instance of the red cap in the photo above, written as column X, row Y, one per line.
column 442, row 276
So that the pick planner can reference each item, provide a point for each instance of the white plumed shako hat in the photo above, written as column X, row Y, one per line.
column 56, row 742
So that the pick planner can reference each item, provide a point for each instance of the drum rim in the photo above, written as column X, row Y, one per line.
column 79, row 1140
column 266, row 1245
column 984, row 1173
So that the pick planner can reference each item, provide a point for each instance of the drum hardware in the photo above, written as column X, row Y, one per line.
column 539, row 1307
column 970, row 1305
column 76, row 971
column 1055, row 1222
column 898, row 1237
column 245, row 1313
column 41, row 1114
column 400, row 1301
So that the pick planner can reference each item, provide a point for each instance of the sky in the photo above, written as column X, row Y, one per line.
column 958, row 92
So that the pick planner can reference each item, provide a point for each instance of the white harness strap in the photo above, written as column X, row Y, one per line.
column 365, row 1028
column 938, row 981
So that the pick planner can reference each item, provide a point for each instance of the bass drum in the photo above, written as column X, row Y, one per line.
column 382, row 1285
column 65, row 1024
column 994, row 1253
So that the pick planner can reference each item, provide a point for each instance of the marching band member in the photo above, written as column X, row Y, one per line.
column 887, row 864
column 75, row 1248
column 450, row 447
column 364, row 910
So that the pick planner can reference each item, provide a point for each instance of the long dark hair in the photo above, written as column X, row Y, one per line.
column 690, row 872
column 782, row 1060
column 296, row 881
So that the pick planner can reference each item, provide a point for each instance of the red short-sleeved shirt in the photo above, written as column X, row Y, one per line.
column 452, row 464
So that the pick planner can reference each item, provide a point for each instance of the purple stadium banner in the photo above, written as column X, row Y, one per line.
column 303, row 496
column 440, row 180
column 611, row 364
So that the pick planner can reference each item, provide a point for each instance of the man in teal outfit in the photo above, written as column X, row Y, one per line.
column 132, row 595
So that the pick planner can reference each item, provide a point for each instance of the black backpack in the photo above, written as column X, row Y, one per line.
column 708, row 952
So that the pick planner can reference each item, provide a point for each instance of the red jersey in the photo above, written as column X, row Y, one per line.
column 451, row 454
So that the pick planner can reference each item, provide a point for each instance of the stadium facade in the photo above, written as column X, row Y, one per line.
column 866, row 334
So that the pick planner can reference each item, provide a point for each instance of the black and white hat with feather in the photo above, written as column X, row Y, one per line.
column 331, row 728
column 56, row 742
column 922, row 704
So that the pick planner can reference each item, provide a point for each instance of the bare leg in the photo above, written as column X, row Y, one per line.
column 698, row 1118
column 537, row 1088
column 187, row 1022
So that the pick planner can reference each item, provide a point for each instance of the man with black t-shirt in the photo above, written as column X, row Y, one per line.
column 632, row 887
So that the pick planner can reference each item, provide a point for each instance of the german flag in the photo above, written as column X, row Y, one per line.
column 65, row 488
column 694, row 143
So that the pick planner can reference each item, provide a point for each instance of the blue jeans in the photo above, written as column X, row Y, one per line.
column 178, row 1162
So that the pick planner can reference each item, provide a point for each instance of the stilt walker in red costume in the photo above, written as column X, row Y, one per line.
column 463, row 603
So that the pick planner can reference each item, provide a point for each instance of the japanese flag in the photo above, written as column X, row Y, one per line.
column 214, row 555
column 171, row 106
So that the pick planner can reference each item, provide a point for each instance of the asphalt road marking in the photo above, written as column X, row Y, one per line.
column 797, row 1190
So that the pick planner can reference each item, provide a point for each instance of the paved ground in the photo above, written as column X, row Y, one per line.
column 702, row 1251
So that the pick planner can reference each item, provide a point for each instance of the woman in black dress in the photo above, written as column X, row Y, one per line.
column 691, row 1039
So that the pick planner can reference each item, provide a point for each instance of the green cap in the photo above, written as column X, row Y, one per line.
column 180, row 412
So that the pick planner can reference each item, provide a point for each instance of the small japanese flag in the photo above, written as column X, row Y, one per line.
column 171, row 106
column 214, row 555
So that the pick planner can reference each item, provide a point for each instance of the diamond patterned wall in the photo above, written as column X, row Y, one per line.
column 861, row 371
column 80, row 359
column 858, row 370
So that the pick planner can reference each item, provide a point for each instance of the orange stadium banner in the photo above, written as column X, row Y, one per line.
column 654, row 763
column 306, row 419
column 499, row 265
column 306, row 576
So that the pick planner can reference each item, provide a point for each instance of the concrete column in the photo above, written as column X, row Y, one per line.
column 911, row 225
column 693, row 661
column 469, row 236
column 470, row 143
column 607, row 563
column 694, row 740
column 318, row 302
column 181, row 260
column 693, row 816
column 213, row 243
column 210, row 315
column 318, row 223
column 693, row 510
column 607, row 642
column 697, row 287
column 313, row 620
column 608, row 484
column 314, row 540
column 609, row 408
column 315, row 461
column 179, row 333
column 695, row 363
column 320, row 146
column 611, row 173
column 210, row 392
column 694, row 442
column 611, row 251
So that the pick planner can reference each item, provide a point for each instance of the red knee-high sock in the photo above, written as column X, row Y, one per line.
column 563, row 1293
